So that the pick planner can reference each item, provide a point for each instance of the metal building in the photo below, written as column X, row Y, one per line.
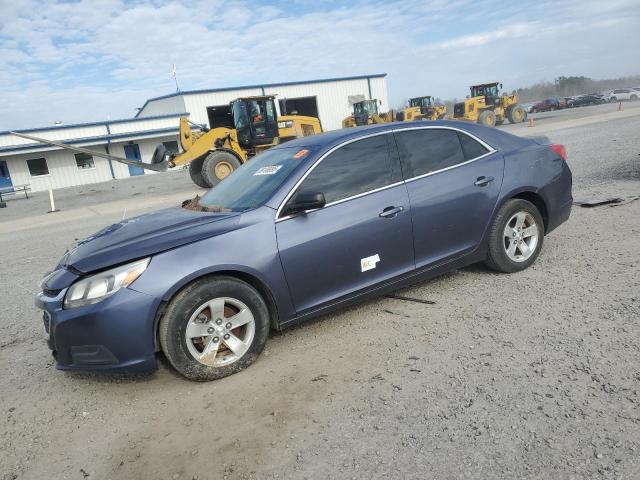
column 41, row 167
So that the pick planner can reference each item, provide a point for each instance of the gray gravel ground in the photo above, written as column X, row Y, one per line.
column 534, row 375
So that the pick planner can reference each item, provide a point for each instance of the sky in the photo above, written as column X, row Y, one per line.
column 88, row 60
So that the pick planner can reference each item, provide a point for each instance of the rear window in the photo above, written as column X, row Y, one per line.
column 429, row 150
column 470, row 147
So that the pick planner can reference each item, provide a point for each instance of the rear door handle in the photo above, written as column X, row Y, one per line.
column 483, row 181
column 391, row 212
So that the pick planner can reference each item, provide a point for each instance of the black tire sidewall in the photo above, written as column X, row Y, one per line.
column 208, row 167
column 172, row 330
column 195, row 172
column 497, row 258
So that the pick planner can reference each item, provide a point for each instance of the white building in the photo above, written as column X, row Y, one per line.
column 43, row 166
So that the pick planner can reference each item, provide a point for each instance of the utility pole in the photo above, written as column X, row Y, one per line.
column 175, row 77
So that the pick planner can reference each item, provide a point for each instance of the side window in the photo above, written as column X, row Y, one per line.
column 428, row 150
column 356, row 168
column 470, row 147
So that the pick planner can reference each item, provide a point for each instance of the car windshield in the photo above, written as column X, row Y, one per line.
column 255, row 181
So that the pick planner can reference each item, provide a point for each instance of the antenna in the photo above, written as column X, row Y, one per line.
column 175, row 77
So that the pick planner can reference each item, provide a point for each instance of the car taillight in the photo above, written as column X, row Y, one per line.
column 560, row 150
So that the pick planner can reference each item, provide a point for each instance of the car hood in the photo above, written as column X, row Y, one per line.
column 145, row 235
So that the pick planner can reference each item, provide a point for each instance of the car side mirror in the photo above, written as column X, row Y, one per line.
column 301, row 202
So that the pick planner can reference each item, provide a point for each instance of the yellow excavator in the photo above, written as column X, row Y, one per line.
column 488, row 107
column 422, row 108
column 213, row 153
column 365, row 112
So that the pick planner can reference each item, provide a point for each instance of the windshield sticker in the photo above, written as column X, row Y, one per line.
column 301, row 154
column 270, row 170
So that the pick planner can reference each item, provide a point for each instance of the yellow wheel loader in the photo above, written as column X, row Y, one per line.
column 366, row 113
column 488, row 107
column 421, row 108
column 212, row 154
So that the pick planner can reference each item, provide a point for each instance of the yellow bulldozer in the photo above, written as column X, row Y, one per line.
column 365, row 112
column 422, row 108
column 487, row 106
column 213, row 153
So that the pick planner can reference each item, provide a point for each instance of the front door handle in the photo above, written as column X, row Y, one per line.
column 391, row 212
column 483, row 181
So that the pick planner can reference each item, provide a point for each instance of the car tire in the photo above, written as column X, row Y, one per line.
column 613, row 100
column 195, row 172
column 503, row 255
column 487, row 118
column 202, row 333
column 219, row 165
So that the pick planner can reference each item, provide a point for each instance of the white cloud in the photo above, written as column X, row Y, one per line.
column 96, row 58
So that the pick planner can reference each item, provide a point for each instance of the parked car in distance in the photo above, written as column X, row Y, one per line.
column 305, row 228
column 621, row 94
column 548, row 105
column 584, row 100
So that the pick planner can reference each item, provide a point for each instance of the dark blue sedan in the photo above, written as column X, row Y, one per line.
column 304, row 228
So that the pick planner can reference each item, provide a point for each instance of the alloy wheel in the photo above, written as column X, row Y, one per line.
column 521, row 234
column 220, row 331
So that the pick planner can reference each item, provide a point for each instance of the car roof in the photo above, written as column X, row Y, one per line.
column 327, row 140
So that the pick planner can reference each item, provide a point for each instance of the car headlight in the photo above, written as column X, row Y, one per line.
column 97, row 287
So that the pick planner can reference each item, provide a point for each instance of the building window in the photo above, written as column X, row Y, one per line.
column 84, row 161
column 172, row 147
column 37, row 167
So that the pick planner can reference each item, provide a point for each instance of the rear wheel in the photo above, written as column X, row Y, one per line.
column 219, row 165
column 516, row 236
column 213, row 328
column 487, row 118
column 195, row 171
column 517, row 114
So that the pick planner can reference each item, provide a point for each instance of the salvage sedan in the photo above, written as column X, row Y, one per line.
column 303, row 228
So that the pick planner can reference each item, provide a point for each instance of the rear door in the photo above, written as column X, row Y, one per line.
column 363, row 234
column 453, row 182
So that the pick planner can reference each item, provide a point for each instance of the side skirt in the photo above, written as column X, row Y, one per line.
column 381, row 289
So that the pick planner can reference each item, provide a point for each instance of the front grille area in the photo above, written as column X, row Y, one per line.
column 458, row 109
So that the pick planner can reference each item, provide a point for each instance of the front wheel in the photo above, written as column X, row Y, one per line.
column 487, row 118
column 195, row 172
column 219, row 165
column 517, row 114
column 213, row 328
column 516, row 237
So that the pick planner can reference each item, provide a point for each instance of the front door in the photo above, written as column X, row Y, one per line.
column 453, row 183
column 5, row 178
column 363, row 234
column 132, row 152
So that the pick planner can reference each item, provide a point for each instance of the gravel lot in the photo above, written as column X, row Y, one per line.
column 534, row 375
